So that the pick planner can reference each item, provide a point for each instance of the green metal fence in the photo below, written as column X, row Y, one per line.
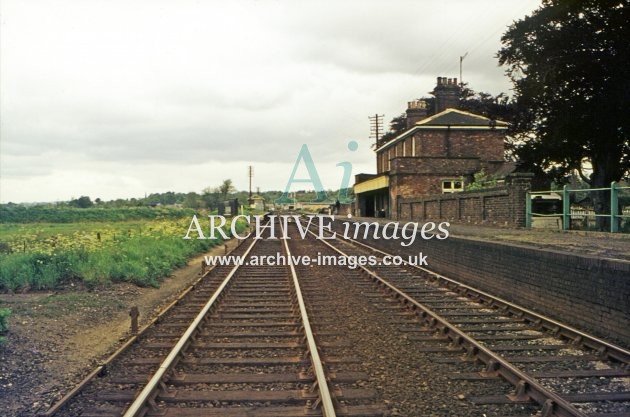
column 557, row 205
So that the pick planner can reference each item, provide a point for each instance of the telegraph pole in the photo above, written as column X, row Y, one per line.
column 461, row 59
column 376, row 126
column 250, row 173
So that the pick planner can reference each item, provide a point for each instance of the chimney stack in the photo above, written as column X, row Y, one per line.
column 446, row 93
column 416, row 110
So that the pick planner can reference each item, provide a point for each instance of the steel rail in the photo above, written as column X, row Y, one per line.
column 138, row 405
column 605, row 348
column 327, row 405
column 526, row 387
column 102, row 367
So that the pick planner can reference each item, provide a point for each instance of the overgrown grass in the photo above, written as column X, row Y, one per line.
column 142, row 256
column 140, row 260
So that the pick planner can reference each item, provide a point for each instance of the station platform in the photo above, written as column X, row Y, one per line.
column 585, row 243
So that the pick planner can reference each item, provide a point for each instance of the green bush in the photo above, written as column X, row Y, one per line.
column 482, row 180
column 4, row 325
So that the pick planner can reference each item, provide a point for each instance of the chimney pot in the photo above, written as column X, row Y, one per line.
column 417, row 110
column 417, row 104
column 446, row 94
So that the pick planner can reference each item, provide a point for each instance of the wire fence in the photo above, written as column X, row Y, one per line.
column 604, row 209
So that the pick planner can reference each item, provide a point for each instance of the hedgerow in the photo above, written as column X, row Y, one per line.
column 35, row 214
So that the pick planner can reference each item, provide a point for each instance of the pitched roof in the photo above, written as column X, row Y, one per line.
column 459, row 118
column 449, row 119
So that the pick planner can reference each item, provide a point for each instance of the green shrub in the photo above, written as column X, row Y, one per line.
column 4, row 325
column 482, row 180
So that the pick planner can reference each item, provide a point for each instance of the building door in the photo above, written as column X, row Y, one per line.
column 369, row 206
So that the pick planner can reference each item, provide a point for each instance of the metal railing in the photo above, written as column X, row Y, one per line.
column 615, row 215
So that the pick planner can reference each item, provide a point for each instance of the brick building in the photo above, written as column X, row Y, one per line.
column 436, row 154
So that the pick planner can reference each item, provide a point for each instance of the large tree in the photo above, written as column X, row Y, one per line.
column 226, row 188
column 82, row 202
column 211, row 197
column 569, row 62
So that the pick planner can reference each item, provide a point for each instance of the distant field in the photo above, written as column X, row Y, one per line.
column 52, row 214
column 41, row 255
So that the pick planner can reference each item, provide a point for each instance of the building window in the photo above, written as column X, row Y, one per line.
column 452, row 186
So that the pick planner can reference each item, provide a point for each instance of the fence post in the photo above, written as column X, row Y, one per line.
column 614, row 207
column 566, row 208
column 528, row 210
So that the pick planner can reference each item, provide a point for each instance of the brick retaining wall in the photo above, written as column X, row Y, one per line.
column 503, row 206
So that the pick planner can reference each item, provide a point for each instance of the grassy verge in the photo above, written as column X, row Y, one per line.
column 142, row 255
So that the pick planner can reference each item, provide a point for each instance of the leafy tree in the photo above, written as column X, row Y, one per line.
column 569, row 62
column 191, row 200
column 226, row 188
column 211, row 197
column 82, row 202
column 396, row 126
column 498, row 107
column 167, row 198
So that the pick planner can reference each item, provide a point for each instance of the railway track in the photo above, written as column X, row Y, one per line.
column 560, row 370
column 289, row 341
column 239, row 344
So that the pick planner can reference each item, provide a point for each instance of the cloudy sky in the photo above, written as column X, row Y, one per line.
column 115, row 99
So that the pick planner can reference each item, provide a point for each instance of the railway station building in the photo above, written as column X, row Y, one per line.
column 438, row 153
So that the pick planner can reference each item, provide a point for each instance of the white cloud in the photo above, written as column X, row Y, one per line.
column 113, row 98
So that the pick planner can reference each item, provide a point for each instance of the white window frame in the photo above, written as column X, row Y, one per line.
column 451, row 188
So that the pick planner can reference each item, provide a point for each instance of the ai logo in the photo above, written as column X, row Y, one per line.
column 313, row 177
